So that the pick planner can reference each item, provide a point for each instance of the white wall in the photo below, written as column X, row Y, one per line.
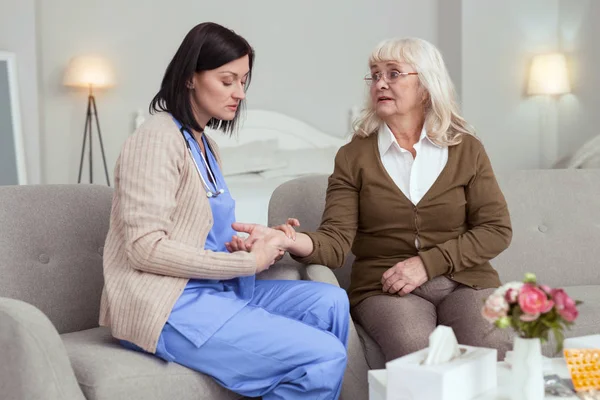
column 579, row 119
column 18, row 35
column 311, row 57
column 450, row 39
column 498, row 40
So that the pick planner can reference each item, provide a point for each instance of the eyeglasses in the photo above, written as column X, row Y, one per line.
column 389, row 76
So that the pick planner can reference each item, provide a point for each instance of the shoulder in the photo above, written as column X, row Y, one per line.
column 471, row 155
column 357, row 146
column 158, row 130
column 470, row 147
column 470, row 142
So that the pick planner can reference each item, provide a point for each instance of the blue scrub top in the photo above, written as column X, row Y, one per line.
column 205, row 304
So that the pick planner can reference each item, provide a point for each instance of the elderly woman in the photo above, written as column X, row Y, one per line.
column 413, row 195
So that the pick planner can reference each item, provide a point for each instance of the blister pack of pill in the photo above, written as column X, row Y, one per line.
column 584, row 367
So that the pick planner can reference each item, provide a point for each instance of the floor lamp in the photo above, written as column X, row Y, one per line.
column 92, row 73
column 548, row 77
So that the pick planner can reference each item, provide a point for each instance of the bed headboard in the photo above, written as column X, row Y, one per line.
column 259, row 125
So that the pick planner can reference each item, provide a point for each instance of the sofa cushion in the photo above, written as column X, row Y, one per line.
column 556, row 226
column 107, row 371
column 51, row 250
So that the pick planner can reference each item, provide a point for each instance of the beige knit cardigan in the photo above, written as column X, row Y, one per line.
column 159, row 222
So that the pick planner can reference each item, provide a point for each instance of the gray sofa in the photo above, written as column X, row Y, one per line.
column 556, row 234
column 51, row 347
column 51, row 278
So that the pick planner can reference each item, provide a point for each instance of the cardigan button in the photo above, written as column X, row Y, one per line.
column 44, row 259
column 543, row 228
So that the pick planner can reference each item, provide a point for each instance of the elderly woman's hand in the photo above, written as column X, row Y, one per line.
column 258, row 232
column 405, row 276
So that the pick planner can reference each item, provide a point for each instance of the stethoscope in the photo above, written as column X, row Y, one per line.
column 209, row 192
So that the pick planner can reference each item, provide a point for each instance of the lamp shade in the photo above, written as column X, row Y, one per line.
column 86, row 71
column 549, row 75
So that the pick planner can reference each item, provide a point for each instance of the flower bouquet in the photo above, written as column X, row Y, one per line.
column 533, row 311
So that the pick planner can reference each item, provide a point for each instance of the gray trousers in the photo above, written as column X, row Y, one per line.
column 402, row 325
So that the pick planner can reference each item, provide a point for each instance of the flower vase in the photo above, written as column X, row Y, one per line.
column 527, row 370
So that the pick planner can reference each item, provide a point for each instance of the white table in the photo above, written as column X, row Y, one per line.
column 378, row 381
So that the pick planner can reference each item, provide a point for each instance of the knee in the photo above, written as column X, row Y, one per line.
column 327, row 348
column 334, row 296
column 336, row 355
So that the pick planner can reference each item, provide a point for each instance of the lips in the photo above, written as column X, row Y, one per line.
column 384, row 98
column 232, row 107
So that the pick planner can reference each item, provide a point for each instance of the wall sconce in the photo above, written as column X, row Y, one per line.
column 93, row 73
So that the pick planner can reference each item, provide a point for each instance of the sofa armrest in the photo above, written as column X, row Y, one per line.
column 35, row 364
column 319, row 273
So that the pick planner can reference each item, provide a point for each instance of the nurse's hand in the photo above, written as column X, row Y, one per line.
column 267, row 251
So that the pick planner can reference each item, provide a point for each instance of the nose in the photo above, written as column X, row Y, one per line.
column 240, row 93
column 381, row 84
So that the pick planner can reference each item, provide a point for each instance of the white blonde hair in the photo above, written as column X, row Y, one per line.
column 443, row 123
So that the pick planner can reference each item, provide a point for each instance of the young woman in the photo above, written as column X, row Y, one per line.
column 172, row 288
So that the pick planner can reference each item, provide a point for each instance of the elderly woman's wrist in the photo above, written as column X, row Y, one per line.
column 434, row 262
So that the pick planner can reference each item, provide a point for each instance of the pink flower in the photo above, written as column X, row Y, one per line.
column 529, row 317
column 512, row 295
column 495, row 307
column 546, row 289
column 565, row 305
column 533, row 300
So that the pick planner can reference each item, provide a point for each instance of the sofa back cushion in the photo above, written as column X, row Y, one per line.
column 51, row 249
column 555, row 216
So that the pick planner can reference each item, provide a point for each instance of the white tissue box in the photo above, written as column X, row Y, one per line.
column 462, row 378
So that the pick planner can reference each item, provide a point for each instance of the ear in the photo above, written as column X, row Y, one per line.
column 191, row 84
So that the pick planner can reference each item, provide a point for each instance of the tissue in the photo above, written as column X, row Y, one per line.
column 443, row 346
column 443, row 371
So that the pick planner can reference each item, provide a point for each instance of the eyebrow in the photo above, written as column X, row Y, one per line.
column 233, row 73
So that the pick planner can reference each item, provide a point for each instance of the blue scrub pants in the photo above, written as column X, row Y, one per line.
column 288, row 343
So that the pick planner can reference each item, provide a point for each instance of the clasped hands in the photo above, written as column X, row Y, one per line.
column 404, row 277
column 267, row 244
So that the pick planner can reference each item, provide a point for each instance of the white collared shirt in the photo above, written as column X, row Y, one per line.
column 413, row 176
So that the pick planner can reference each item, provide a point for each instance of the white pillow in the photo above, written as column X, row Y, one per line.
column 250, row 157
column 591, row 162
column 303, row 162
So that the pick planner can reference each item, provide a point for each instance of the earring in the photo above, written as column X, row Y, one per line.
column 190, row 85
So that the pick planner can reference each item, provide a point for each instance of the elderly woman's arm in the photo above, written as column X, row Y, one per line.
column 489, row 232
column 332, row 241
